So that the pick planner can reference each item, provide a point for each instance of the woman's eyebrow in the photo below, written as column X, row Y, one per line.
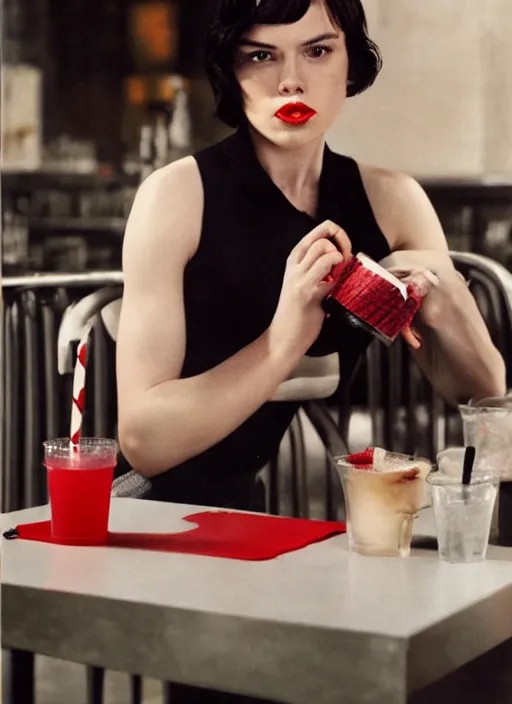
column 322, row 38
column 263, row 45
column 260, row 45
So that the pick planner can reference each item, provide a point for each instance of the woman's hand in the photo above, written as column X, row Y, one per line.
column 299, row 315
column 403, row 262
column 412, row 337
column 406, row 267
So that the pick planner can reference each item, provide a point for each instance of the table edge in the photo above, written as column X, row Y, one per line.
column 219, row 651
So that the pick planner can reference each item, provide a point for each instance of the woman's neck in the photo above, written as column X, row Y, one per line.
column 296, row 172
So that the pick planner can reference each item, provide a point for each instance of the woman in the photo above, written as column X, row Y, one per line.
column 226, row 255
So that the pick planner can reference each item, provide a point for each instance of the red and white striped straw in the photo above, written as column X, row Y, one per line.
column 78, row 404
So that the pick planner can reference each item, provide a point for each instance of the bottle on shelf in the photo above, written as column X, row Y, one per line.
column 146, row 149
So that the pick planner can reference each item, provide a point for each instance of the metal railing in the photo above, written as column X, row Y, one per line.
column 35, row 398
column 92, row 279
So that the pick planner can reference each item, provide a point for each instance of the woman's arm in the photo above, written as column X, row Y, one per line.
column 457, row 354
column 164, row 419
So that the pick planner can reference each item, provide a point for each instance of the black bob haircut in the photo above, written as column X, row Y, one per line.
column 231, row 19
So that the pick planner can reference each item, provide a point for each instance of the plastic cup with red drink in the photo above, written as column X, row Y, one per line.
column 79, row 485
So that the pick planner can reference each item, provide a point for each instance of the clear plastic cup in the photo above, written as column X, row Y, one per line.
column 487, row 425
column 463, row 515
column 79, row 485
column 451, row 461
column 490, row 431
column 382, row 503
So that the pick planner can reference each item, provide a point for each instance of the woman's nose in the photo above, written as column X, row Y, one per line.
column 290, row 82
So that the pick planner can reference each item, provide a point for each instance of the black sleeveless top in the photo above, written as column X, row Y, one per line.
column 231, row 291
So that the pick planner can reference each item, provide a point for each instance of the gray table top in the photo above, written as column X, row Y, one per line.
column 314, row 625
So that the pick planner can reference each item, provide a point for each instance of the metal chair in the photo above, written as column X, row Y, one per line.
column 30, row 394
column 11, row 445
column 399, row 399
column 313, row 380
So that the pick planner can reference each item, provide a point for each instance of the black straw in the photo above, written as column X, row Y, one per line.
column 469, row 461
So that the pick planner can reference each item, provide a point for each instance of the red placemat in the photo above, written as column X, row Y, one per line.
column 238, row 536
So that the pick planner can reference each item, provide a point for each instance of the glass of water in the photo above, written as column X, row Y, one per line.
column 463, row 515
column 487, row 425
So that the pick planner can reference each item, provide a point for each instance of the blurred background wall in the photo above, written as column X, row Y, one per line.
column 97, row 93
column 442, row 104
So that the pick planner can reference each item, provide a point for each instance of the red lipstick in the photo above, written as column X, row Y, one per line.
column 295, row 113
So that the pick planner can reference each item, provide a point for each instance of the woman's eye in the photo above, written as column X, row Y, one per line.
column 316, row 52
column 259, row 57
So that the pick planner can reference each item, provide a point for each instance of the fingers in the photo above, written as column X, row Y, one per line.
column 317, row 249
column 342, row 241
column 415, row 273
column 430, row 276
column 317, row 275
column 411, row 338
column 327, row 230
column 437, row 261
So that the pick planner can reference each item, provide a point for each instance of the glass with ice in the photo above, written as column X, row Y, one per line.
column 383, row 493
column 451, row 462
column 490, row 459
column 463, row 514
column 487, row 425
column 79, row 486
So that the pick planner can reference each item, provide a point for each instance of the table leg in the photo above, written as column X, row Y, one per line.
column 167, row 693
column 136, row 687
column 95, row 685
column 18, row 683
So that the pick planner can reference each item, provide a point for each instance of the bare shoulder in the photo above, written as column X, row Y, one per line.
column 402, row 209
column 167, row 212
column 381, row 182
column 182, row 173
